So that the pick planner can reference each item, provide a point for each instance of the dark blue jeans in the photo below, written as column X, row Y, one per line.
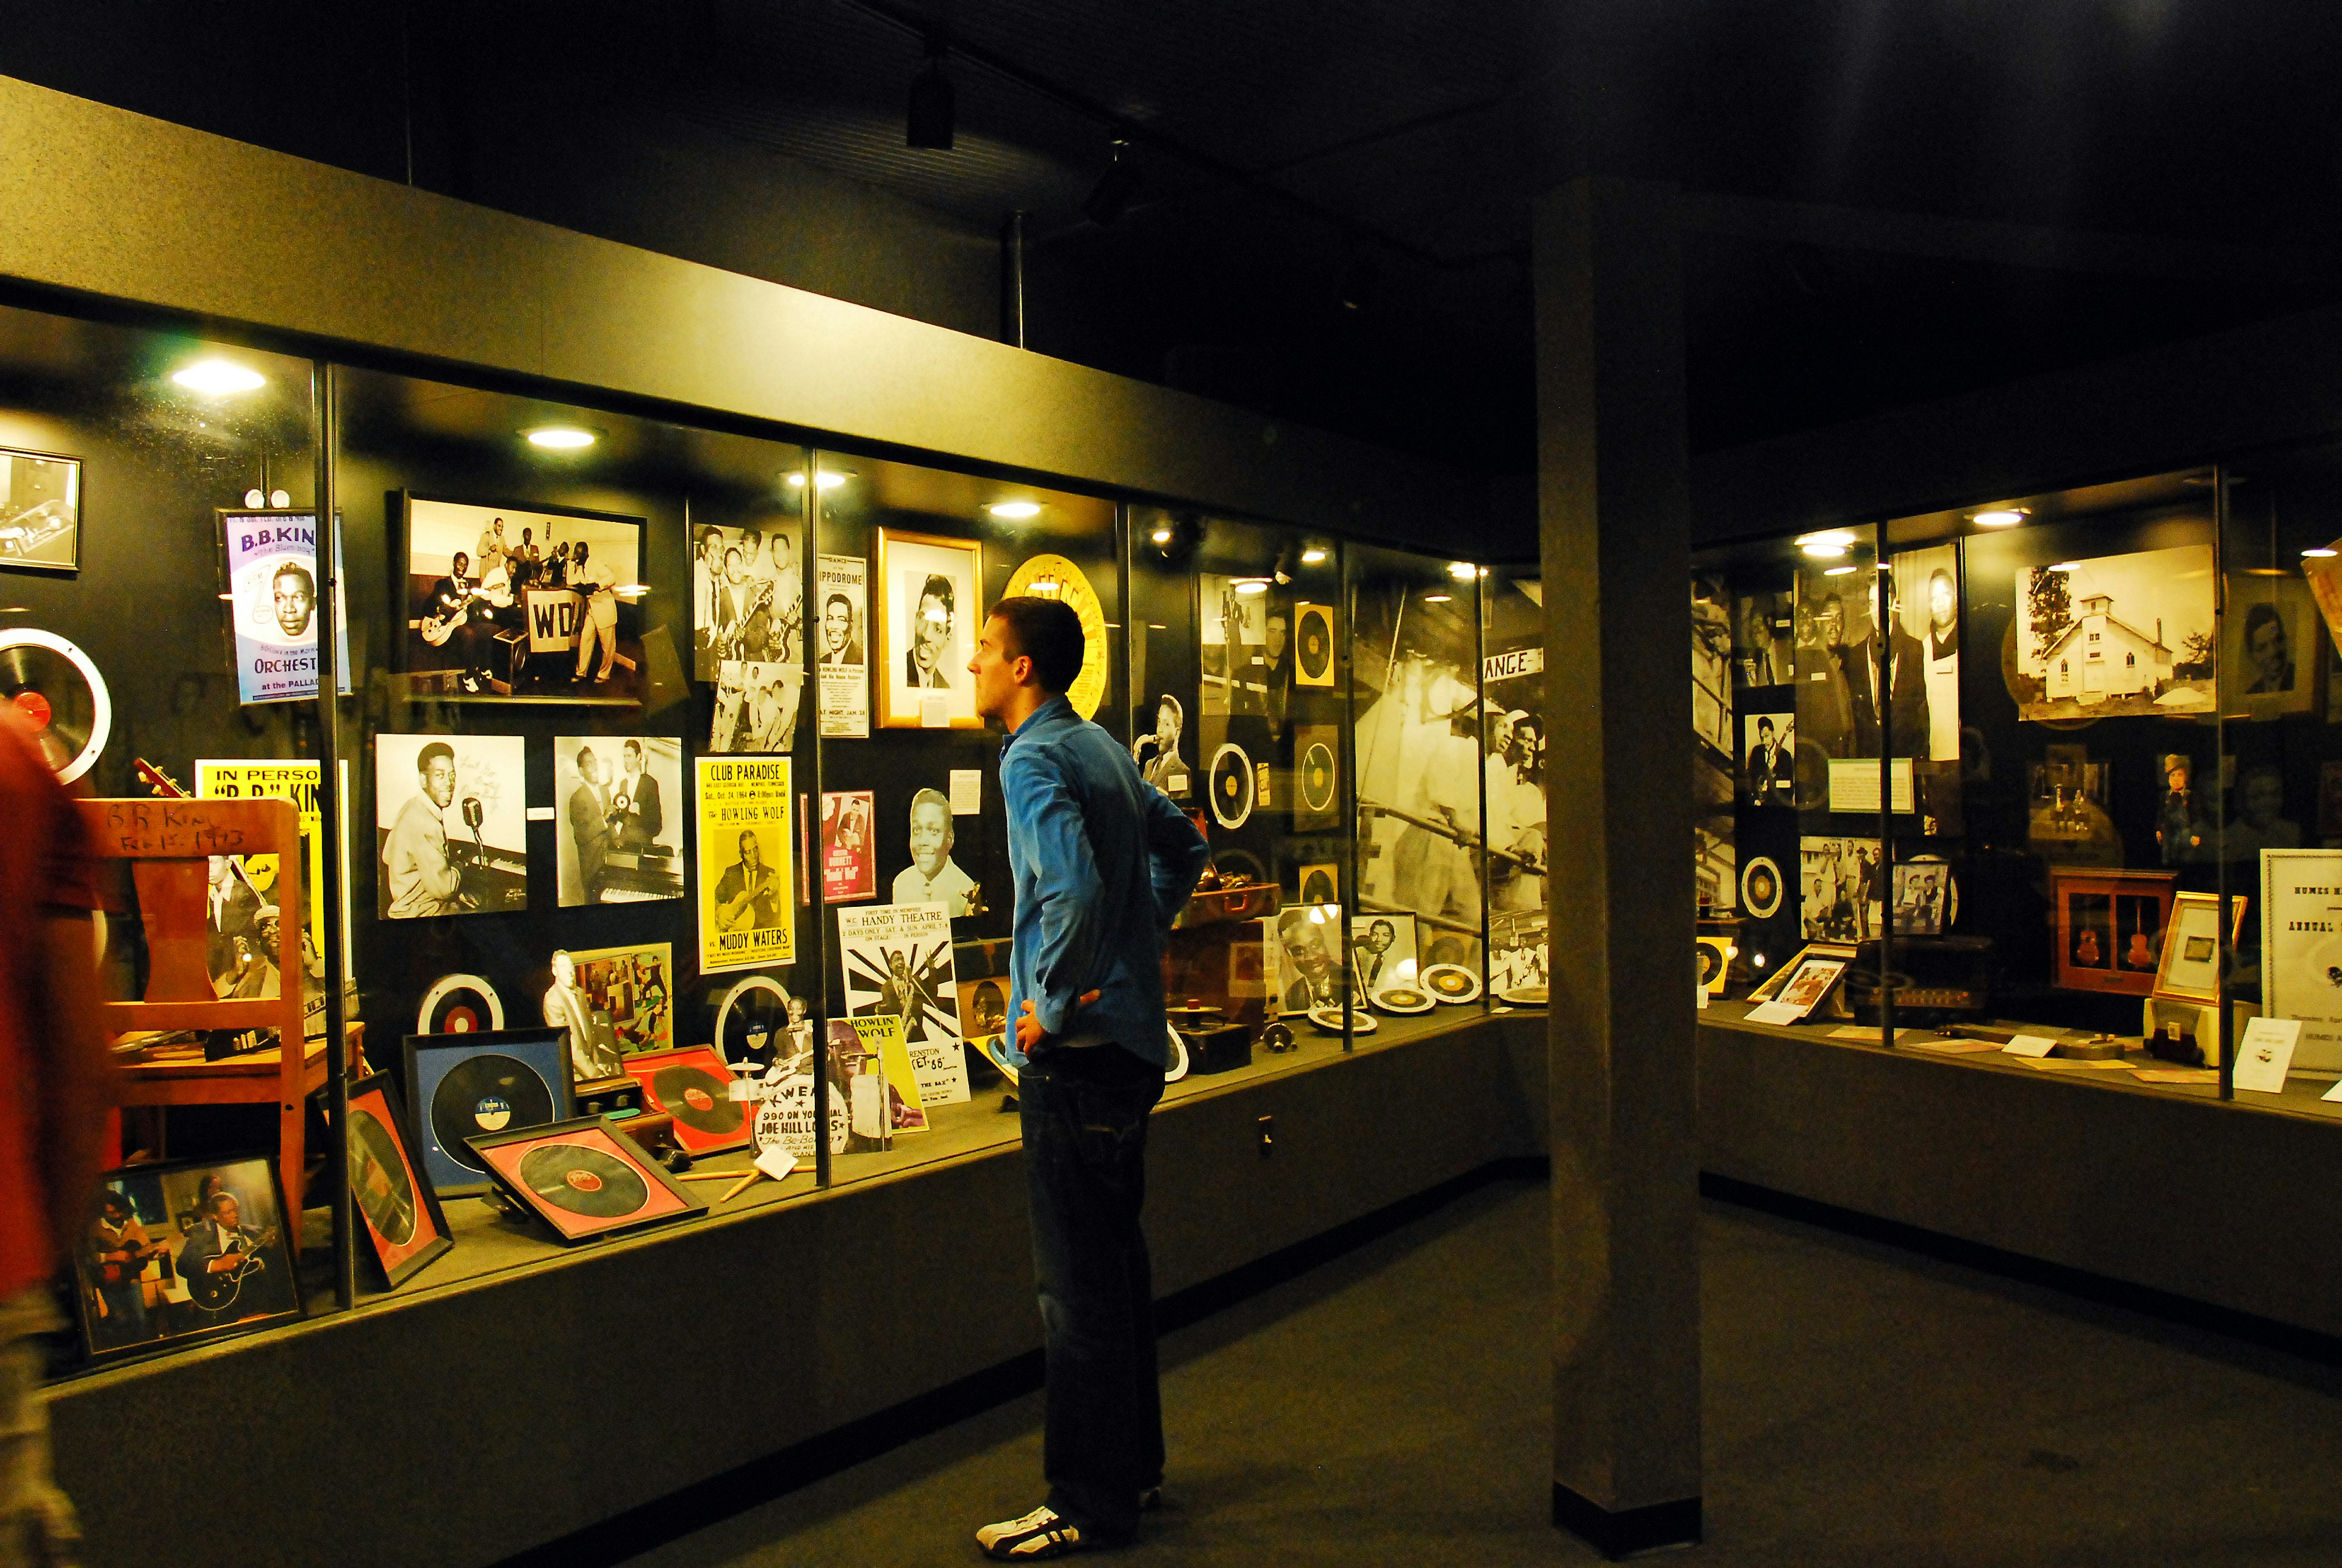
column 1083, row 1113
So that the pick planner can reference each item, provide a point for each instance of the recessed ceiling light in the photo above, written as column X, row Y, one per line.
column 1462, row 571
column 2319, row 553
column 1999, row 517
column 1313, row 556
column 1161, row 536
column 218, row 376
column 1837, row 572
column 1014, row 509
column 1252, row 585
column 827, row 480
column 561, row 438
column 1437, row 598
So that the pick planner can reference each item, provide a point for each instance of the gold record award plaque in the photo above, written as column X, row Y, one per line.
column 1054, row 577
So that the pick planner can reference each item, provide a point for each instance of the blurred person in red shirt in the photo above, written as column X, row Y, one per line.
column 55, row 1088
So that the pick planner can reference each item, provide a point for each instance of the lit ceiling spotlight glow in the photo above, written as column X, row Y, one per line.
column 1252, row 585
column 1462, row 571
column 824, row 480
column 1837, row 571
column 2319, row 553
column 218, row 378
column 1160, row 536
column 1313, row 556
column 560, row 437
column 1826, row 545
column 2000, row 517
column 1015, row 510
column 1437, row 598
column 2064, row 565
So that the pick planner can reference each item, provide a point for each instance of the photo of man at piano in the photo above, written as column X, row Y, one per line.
column 619, row 843
column 451, row 827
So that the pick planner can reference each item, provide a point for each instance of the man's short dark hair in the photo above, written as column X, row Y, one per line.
column 838, row 599
column 1763, row 724
column 432, row 753
column 309, row 584
column 2260, row 615
column 1048, row 633
column 635, row 746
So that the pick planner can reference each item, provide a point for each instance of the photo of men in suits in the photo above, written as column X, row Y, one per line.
column 1906, row 682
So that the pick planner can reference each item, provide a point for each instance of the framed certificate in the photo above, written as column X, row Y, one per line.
column 2301, row 948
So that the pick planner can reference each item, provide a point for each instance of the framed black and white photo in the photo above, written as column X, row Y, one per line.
column 2270, row 643
column 522, row 604
column 2116, row 635
column 756, row 707
column 747, row 595
column 931, row 608
column 451, row 826
column 618, row 814
column 40, row 511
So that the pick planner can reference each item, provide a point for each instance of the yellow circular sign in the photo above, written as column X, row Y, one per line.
column 1054, row 577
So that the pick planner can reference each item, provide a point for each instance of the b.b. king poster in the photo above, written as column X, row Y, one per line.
column 272, row 573
column 747, row 896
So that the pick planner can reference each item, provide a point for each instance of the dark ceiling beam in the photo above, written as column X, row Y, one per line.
column 2001, row 244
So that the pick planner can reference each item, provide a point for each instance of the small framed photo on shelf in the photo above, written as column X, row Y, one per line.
column 182, row 1252
column 398, row 1208
column 584, row 1177
column 2110, row 927
column 930, row 612
column 40, row 511
column 2189, row 970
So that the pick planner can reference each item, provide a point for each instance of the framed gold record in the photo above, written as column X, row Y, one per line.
column 1054, row 577
column 1312, row 645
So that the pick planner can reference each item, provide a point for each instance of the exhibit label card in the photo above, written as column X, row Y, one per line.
column 2265, row 1052
column 2031, row 1045
column 843, row 692
column 271, row 576
column 1854, row 785
column 2301, row 947
column 746, row 910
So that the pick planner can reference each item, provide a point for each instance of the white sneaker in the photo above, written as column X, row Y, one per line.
column 1044, row 1532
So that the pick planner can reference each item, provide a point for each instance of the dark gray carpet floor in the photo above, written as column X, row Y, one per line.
column 1865, row 1406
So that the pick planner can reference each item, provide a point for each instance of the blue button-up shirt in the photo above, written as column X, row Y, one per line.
column 1101, row 861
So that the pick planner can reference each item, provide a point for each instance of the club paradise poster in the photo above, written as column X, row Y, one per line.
column 747, row 893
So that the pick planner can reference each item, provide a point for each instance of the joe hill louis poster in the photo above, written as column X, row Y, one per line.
column 747, row 894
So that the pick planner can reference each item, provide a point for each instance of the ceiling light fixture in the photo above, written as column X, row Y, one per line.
column 2000, row 517
column 2319, row 553
column 1437, row 598
column 1837, row 572
column 928, row 120
column 1162, row 535
column 561, row 438
column 1314, row 556
column 824, row 480
column 1015, row 510
column 218, row 378
column 1826, row 545
column 1462, row 571
column 1252, row 585
column 1112, row 194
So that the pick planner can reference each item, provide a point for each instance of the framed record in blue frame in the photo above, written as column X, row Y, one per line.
column 468, row 1086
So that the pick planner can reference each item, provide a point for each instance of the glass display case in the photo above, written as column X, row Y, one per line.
column 2068, row 815
column 669, row 871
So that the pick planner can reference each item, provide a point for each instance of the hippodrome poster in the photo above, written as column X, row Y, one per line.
column 748, row 898
column 841, row 646
column 272, row 578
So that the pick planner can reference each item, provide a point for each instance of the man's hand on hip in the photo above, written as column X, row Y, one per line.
column 1029, row 1031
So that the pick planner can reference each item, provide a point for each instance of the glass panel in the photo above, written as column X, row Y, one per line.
column 915, row 844
column 562, row 711
column 1238, row 713
column 1419, row 935
column 158, row 605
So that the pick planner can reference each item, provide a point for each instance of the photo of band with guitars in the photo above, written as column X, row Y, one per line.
column 506, row 604
column 747, row 589
column 183, row 1250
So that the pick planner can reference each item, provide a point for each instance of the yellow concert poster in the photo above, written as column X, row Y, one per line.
column 747, row 892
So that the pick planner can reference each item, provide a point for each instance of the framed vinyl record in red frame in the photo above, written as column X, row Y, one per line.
column 693, row 1085
column 396, row 1204
column 585, row 1178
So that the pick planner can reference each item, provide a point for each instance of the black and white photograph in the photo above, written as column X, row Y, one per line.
column 1924, row 902
column 1761, row 647
column 2269, row 641
column 451, row 824
column 934, row 876
column 2116, row 636
column 181, row 1252
column 1382, row 948
column 40, row 511
column 930, row 609
column 756, row 707
column 1841, row 889
column 747, row 597
column 1926, row 607
column 508, row 604
column 618, row 818
column 1159, row 753
column 1306, row 958
column 1768, row 767
column 1234, row 630
column 1836, row 645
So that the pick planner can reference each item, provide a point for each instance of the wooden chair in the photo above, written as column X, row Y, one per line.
column 169, row 843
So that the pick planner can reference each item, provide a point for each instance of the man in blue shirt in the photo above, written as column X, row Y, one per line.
column 1100, row 862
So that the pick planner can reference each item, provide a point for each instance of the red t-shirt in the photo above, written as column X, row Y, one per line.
column 45, row 866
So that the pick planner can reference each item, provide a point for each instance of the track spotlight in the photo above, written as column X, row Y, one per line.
column 1113, row 192
column 928, row 121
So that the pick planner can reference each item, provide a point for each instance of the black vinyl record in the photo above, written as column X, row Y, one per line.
column 487, row 1094
column 697, row 1098
column 1312, row 645
column 1318, row 885
column 583, row 1181
column 1317, row 777
column 378, row 1180
column 58, row 690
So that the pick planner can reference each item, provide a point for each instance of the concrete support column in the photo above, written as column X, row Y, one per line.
column 1613, row 502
